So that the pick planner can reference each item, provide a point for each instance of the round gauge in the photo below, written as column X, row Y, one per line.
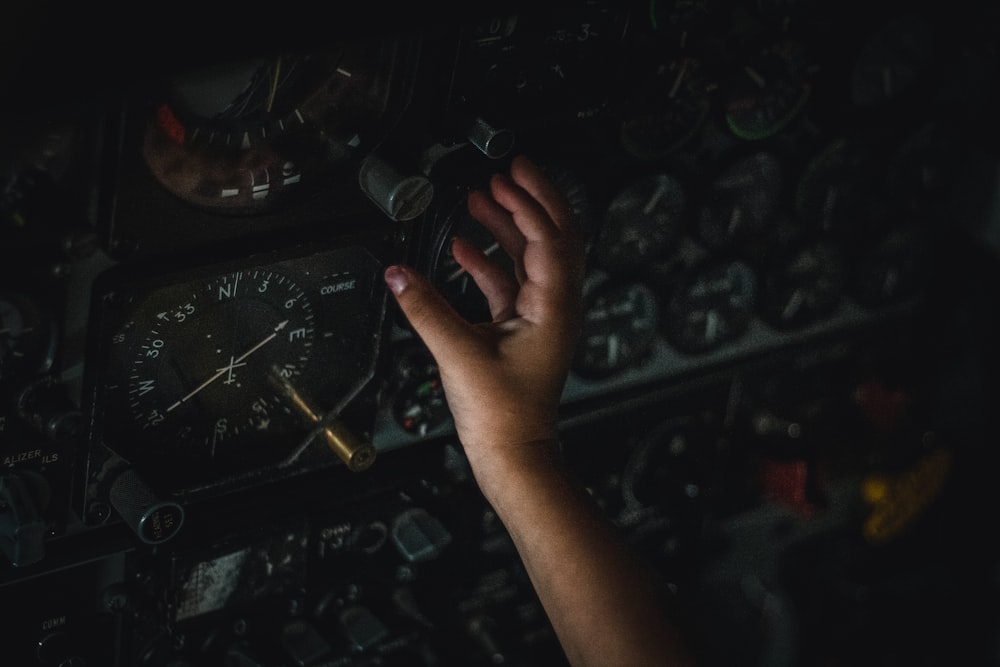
column 445, row 273
column 741, row 201
column 641, row 223
column 619, row 328
column 767, row 92
column 201, row 371
column 667, row 109
column 924, row 168
column 680, row 21
column 578, row 194
column 713, row 305
column 215, row 376
column 244, row 137
column 556, row 64
column 892, row 61
column 839, row 189
column 891, row 269
column 454, row 220
column 803, row 286
column 27, row 337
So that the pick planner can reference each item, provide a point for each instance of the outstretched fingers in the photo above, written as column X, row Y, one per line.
column 497, row 285
column 498, row 222
column 536, row 204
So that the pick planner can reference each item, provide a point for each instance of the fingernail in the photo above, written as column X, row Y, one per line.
column 395, row 278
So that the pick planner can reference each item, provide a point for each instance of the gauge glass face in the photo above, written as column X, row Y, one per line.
column 556, row 65
column 714, row 306
column 892, row 61
column 894, row 268
column 244, row 137
column 201, row 358
column 619, row 325
column 641, row 223
column 804, row 286
column 767, row 92
column 669, row 110
column 741, row 201
column 226, row 372
column 457, row 286
column 839, row 187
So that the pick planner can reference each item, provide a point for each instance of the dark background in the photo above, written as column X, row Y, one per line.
column 813, row 486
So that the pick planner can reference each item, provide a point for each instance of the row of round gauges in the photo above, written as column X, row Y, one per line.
column 212, row 375
column 628, row 70
column 867, row 191
column 714, row 301
column 876, row 215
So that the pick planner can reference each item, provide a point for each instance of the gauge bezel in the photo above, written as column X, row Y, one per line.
column 117, row 298
column 601, row 285
column 139, row 217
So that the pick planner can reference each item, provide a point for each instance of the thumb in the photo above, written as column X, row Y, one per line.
column 442, row 329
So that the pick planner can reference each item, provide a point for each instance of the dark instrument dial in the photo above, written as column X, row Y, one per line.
column 713, row 306
column 741, row 201
column 641, row 223
column 209, row 375
column 619, row 327
column 200, row 373
column 804, row 285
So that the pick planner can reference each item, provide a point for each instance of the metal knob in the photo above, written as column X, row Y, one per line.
column 400, row 196
column 151, row 518
column 492, row 142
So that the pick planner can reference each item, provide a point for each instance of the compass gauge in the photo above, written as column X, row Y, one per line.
column 767, row 92
column 671, row 105
column 741, row 201
column 227, row 369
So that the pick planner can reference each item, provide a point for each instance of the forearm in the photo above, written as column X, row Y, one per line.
column 602, row 608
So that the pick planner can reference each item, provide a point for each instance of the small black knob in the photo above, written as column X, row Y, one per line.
column 151, row 518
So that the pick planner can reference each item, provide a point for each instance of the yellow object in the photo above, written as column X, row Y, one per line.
column 897, row 500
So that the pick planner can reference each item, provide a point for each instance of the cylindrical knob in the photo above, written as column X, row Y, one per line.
column 493, row 142
column 358, row 454
column 401, row 197
column 152, row 519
